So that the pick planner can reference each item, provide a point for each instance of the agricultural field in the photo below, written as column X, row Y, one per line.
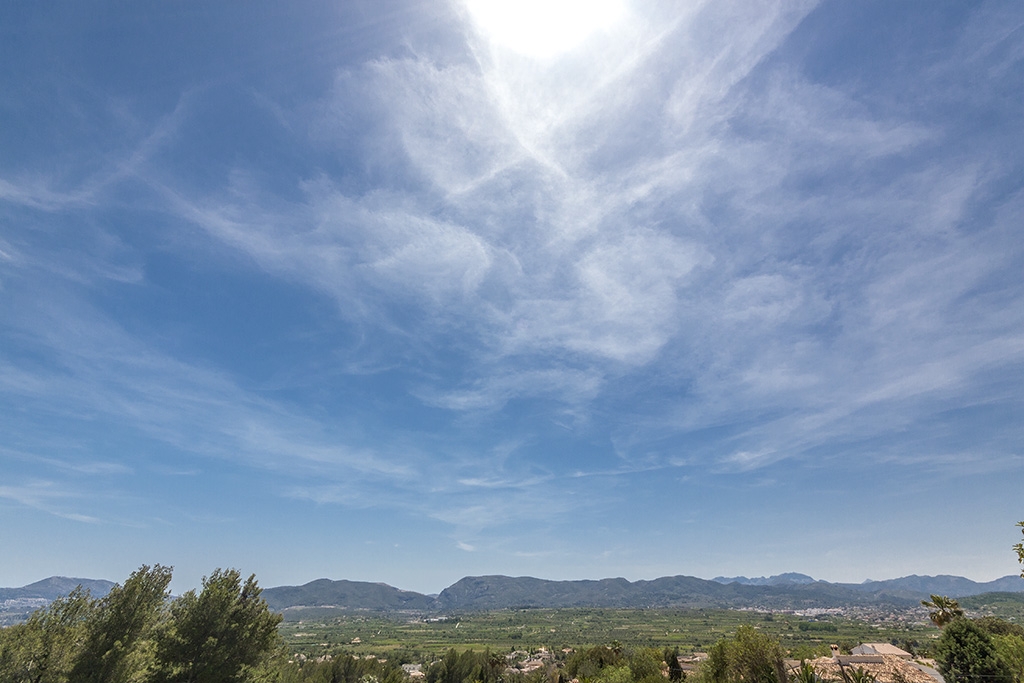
column 414, row 639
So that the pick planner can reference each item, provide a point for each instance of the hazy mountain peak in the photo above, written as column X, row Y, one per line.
column 786, row 579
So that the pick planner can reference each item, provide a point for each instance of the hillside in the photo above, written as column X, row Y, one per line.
column 908, row 587
column 501, row 592
column 479, row 593
column 363, row 595
column 497, row 592
column 55, row 586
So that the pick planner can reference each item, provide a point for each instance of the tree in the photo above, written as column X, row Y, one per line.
column 1010, row 648
column 675, row 669
column 341, row 668
column 116, row 647
column 44, row 648
column 131, row 636
column 615, row 674
column 1020, row 550
column 217, row 635
column 749, row 657
column 807, row 674
column 468, row 667
column 943, row 610
column 859, row 675
column 994, row 626
column 588, row 664
column 966, row 654
column 645, row 665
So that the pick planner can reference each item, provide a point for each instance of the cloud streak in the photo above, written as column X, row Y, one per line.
column 462, row 286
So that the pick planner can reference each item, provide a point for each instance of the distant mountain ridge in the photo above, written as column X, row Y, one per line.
column 349, row 595
column 952, row 586
column 54, row 587
column 784, row 591
column 478, row 593
column 786, row 579
column 908, row 586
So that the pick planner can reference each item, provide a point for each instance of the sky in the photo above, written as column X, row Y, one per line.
column 415, row 290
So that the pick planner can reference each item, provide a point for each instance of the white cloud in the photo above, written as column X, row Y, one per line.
column 668, row 218
column 48, row 497
column 651, row 205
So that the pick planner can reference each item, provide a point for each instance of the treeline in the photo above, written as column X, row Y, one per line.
column 225, row 633
column 612, row 664
column 338, row 669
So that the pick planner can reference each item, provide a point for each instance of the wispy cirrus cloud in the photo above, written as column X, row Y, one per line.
column 49, row 497
column 495, row 293
column 506, row 207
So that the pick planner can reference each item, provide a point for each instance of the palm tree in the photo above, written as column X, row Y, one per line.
column 1020, row 550
column 859, row 675
column 943, row 609
column 807, row 674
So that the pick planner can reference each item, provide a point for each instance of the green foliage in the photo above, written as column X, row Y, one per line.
column 615, row 674
column 994, row 626
column 1019, row 548
column 217, row 635
column 749, row 657
column 943, row 610
column 505, row 630
column 131, row 636
column 340, row 669
column 807, row 674
column 44, row 649
column 859, row 675
column 966, row 654
column 909, row 645
column 116, row 649
column 587, row 664
column 1004, row 605
column 467, row 667
column 1010, row 649
column 675, row 669
column 614, row 664
column 715, row 669
column 645, row 665
column 801, row 652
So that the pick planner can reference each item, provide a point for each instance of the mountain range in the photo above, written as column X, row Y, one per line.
column 951, row 586
column 784, row 591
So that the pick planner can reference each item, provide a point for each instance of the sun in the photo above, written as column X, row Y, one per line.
column 542, row 29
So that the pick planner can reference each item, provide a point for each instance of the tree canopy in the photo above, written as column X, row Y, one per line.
column 215, row 636
column 111, row 651
column 749, row 657
column 966, row 654
column 134, row 635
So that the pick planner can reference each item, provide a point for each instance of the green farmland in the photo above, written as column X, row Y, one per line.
column 416, row 640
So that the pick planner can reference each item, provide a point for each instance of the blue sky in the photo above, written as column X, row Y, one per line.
column 411, row 291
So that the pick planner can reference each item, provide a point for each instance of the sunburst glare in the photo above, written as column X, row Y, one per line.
column 543, row 29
